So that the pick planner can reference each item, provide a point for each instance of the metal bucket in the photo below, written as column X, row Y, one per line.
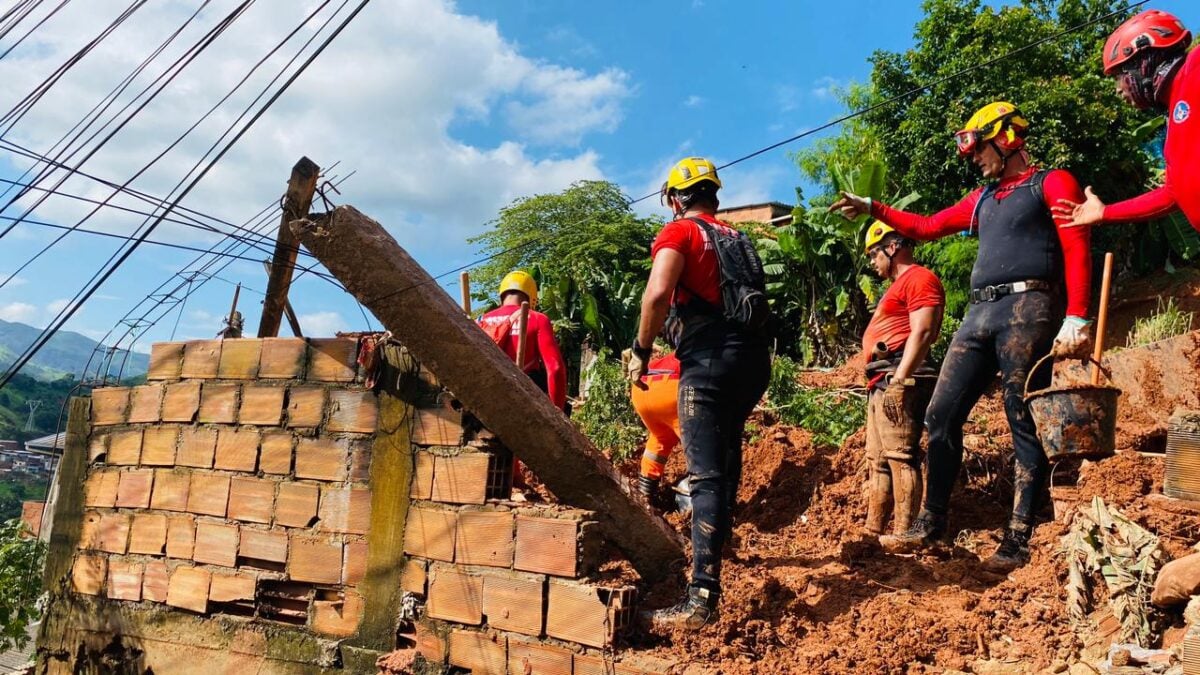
column 1074, row 421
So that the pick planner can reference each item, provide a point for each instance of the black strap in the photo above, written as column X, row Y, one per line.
column 719, row 309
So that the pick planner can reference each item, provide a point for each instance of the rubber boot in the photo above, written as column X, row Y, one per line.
column 879, row 500
column 698, row 608
column 647, row 486
column 906, row 481
column 1013, row 551
column 927, row 530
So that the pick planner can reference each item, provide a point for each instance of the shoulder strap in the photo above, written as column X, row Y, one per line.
column 987, row 191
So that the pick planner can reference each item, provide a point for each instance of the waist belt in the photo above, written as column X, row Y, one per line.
column 994, row 293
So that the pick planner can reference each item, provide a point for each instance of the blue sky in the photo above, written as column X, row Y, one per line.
column 447, row 111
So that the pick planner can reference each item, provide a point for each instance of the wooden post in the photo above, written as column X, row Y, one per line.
column 237, row 291
column 287, row 307
column 464, row 283
column 1102, row 317
column 296, row 203
column 433, row 327
column 522, row 335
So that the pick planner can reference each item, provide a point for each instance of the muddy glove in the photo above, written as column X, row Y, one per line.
column 893, row 399
column 634, row 362
column 1074, row 339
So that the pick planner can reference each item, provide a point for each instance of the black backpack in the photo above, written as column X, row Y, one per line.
column 743, row 284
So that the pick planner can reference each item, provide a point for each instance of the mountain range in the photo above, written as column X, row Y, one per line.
column 65, row 354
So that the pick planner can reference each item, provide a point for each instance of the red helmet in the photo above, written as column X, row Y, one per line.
column 1152, row 29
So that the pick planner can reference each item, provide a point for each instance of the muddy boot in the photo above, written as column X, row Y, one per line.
column 879, row 501
column 926, row 531
column 696, row 610
column 647, row 486
column 907, row 494
column 1013, row 551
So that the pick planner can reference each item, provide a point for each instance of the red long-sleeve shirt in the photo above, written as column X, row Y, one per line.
column 1181, row 188
column 1058, row 184
column 541, row 349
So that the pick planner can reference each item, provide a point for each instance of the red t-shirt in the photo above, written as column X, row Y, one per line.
column 701, row 275
column 916, row 288
column 541, row 349
column 1181, row 189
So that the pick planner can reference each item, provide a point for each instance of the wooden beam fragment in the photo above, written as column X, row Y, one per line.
column 296, row 203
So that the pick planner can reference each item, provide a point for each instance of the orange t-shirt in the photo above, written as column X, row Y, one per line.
column 915, row 289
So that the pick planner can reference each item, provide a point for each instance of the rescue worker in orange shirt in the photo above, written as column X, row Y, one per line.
column 543, row 360
column 658, row 406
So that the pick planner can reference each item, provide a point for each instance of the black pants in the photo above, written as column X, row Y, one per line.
column 723, row 374
column 1008, row 335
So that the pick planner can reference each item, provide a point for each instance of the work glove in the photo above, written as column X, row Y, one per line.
column 893, row 399
column 1074, row 339
column 851, row 205
column 634, row 362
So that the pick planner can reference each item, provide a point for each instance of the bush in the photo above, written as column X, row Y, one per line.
column 607, row 416
column 830, row 415
column 21, row 559
column 1167, row 322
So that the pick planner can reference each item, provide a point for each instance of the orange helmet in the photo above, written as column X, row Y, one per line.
column 1151, row 29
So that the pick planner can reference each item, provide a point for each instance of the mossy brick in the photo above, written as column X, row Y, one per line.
column 181, row 537
column 513, row 601
column 89, row 531
column 110, row 405
column 145, row 403
column 440, row 425
column 338, row 618
column 237, row 449
column 588, row 615
column 98, row 447
column 352, row 411
column 88, row 572
column 216, row 543
column 239, row 359
column 181, row 402
column 528, row 656
column 201, row 360
column 188, row 588
column 197, row 446
column 484, row 538
column 232, row 587
column 114, row 533
column 422, row 482
column 344, row 509
column 208, row 494
column 264, row 545
column 461, row 479
column 125, row 579
column 316, row 560
column 305, row 407
column 251, row 499
column 170, row 490
column 548, row 545
column 282, row 358
column 295, row 504
column 354, row 562
column 124, row 447
column 430, row 645
column 148, row 534
column 276, row 452
column 455, row 595
column 262, row 405
column 429, row 533
column 332, row 359
column 218, row 403
column 321, row 459
column 166, row 361
column 480, row 653
column 100, row 488
column 414, row 576
column 133, row 489
column 155, row 579
column 159, row 446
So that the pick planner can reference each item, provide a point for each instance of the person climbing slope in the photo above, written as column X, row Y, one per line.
column 543, row 359
column 657, row 404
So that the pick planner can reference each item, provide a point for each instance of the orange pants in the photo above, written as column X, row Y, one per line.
column 658, row 406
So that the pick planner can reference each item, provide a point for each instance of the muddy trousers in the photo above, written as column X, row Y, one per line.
column 894, row 460
column 722, row 378
column 1008, row 335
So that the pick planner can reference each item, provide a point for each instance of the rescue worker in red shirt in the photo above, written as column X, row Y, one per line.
column 724, row 369
column 1148, row 56
column 657, row 403
column 1025, row 259
column 543, row 360
column 899, row 379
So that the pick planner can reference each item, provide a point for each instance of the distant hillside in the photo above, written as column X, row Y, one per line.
column 65, row 354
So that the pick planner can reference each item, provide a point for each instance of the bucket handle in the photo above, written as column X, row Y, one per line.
column 1038, row 365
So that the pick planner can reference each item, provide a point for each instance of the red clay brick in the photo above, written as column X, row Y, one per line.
column 148, row 534
column 196, row 447
column 332, row 359
column 548, row 545
column 262, row 405
column 218, row 403
column 201, row 359
column 338, row 617
column 603, row 665
column 251, row 499
column 282, row 358
column 125, row 579
column 181, row 402
column 481, row 654
column 239, row 359
column 170, row 490
column 461, row 479
column 484, row 538
column 346, row 510
column 124, row 447
column 188, row 588
column 237, row 449
column 31, row 516
column 144, row 403
column 114, row 532
column 267, row 545
column 159, row 446
column 431, row 646
column 455, row 595
column 88, row 572
column 133, row 490
column 276, row 454
column 437, row 426
column 585, row 614
column 513, row 601
column 414, row 576
column 154, row 581
column 321, row 459
column 109, row 405
column 208, row 494
column 533, row 657
column 231, row 587
column 100, row 489
column 429, row 533
column 181, row 537
column 360, row 462
column 98, row 447
column 315, row 560
column 166, row 360
column 296, row 504
column 422, row 484
column 352, row 411
column 306, row 407
column 89, row 532
column 216, row 543
column 354, row 565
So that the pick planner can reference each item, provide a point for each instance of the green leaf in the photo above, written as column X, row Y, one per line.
column 843, row 301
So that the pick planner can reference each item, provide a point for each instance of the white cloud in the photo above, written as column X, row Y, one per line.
column 826, row 88
column 693, row 101
column 57, row 306
column 10, row 281
column 22, row 312
column 323, row 323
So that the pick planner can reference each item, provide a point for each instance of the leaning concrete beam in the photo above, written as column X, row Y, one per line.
column 384, row 278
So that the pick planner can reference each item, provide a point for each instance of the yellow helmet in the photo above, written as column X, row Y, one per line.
column 688, row 172
column 520, row 281
column 875, row 234
column 988, row 122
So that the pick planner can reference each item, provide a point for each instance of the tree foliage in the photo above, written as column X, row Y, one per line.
column 21, row 559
